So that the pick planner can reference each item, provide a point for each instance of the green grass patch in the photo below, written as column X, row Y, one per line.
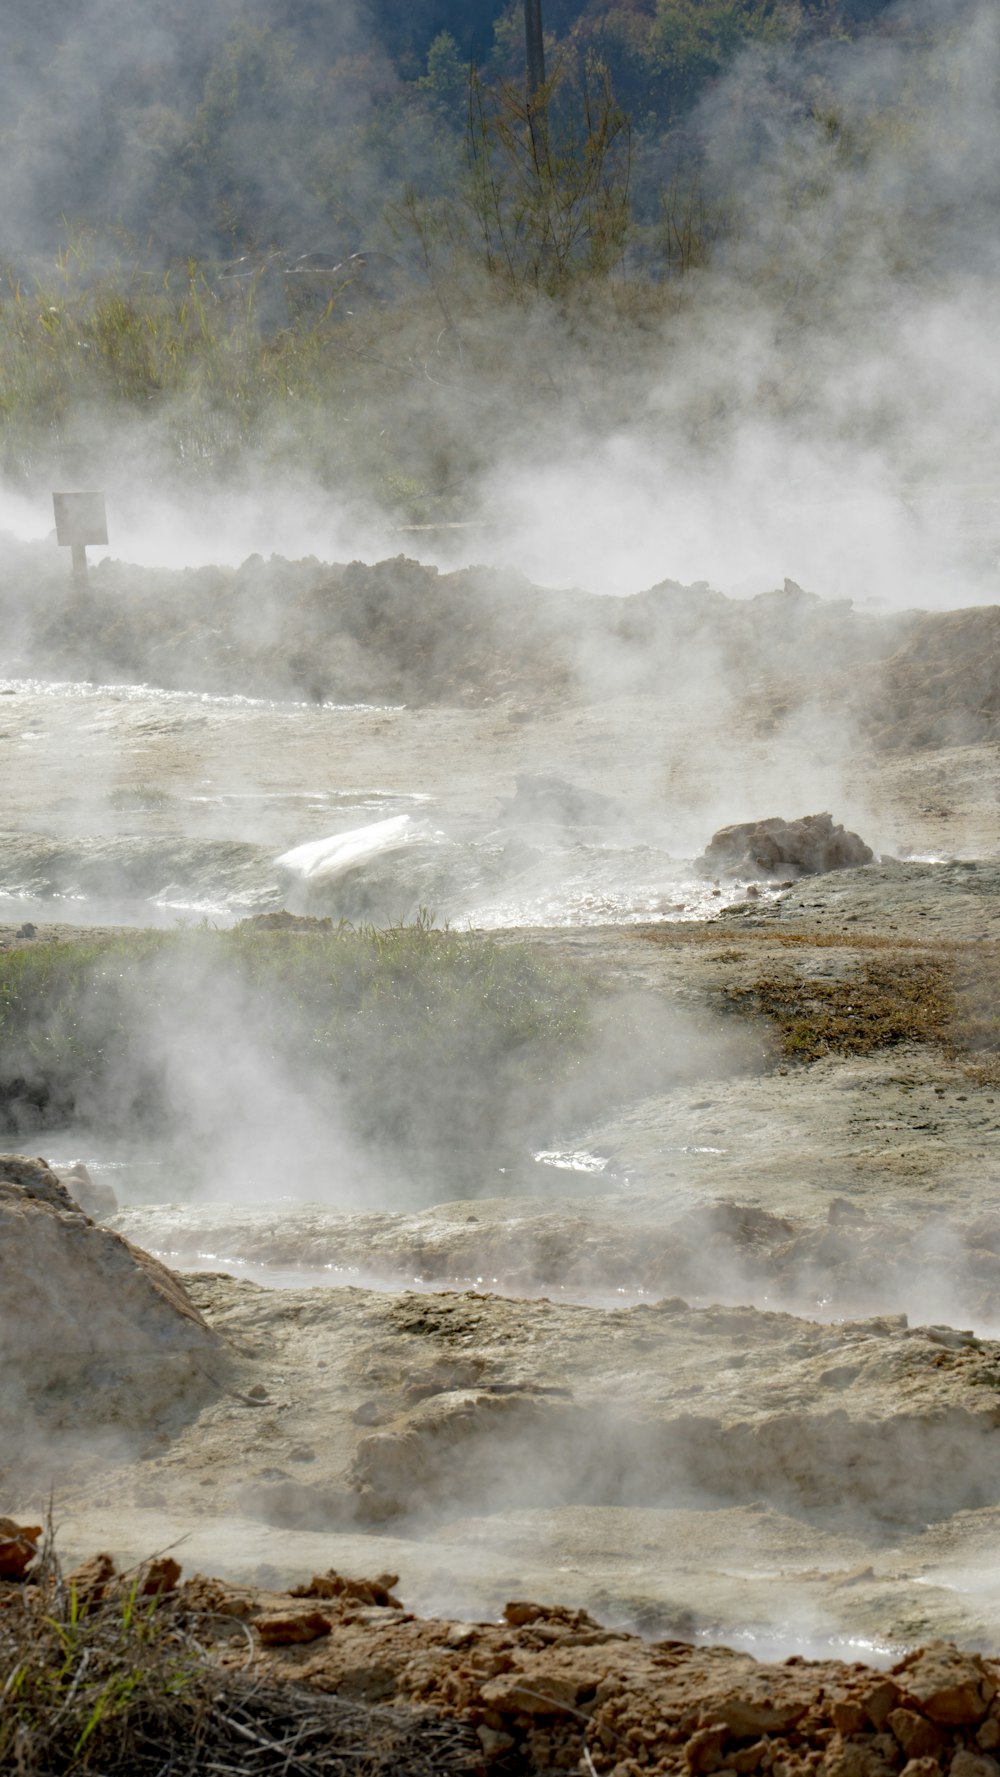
column 417, row 1038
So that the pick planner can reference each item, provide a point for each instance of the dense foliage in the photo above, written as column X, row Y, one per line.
column 206, row 131
column 332, row 244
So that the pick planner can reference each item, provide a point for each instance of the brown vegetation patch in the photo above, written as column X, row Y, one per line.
column 115, row 1682
column 899, row 993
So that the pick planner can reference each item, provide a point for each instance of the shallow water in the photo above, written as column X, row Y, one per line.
column 126, row 804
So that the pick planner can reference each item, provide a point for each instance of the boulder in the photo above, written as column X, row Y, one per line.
column 543, row 799
column 774, row 847
column 94, row 1330
column 69, row 1289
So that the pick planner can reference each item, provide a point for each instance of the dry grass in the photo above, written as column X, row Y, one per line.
column 900, row 992
column 126, row 1688
column 890, row 1000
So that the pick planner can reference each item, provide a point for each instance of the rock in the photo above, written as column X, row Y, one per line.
column 918, row 1737
column 71, row 1290
column 95, row 1332
column 283, row 1628
column 880, row 1701
column 776, row 848
column 18, row 1547
column 972, row 1764
column 297, row 1505
column 158, row 1577
column 493, row 1743
column 376, row 1593
column 703, row 1751
column 553, row 1694
column 95, row 1198
column 543, row 799
column 92, row 1580
column 948, row 1686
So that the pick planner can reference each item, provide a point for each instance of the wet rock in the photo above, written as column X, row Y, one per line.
column 775, row 847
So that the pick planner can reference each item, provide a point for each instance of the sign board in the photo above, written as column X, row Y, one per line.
column 80, row 518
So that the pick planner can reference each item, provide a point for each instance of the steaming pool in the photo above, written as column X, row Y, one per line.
column 675, row 1204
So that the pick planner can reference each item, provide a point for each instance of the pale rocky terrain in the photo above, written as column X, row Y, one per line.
column 723, row 1366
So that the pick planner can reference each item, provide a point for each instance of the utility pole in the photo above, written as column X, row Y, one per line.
column 534, row 45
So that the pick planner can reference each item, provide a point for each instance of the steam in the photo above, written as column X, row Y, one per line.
column 819, row 401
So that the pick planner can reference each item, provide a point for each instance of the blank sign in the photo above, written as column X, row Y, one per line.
column 80, row 518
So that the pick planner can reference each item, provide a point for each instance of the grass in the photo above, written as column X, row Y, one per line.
column 123, row 1686
column 902, row 999
column 89, row 1687
column 421, row 1038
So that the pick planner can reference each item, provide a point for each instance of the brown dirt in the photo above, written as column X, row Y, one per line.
column 398, row 631
column 548, row 1689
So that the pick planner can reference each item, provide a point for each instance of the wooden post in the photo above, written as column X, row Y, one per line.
column 80, row 566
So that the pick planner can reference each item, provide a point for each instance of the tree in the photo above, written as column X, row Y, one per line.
column 552, row 203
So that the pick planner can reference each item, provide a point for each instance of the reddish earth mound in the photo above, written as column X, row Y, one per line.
column 549, row 1689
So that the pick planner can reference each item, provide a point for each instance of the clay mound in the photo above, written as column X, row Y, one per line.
column 809, row 846
column 95, row 1333
column 70, row 1289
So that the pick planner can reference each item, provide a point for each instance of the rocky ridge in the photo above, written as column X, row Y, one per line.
column 398, row 631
